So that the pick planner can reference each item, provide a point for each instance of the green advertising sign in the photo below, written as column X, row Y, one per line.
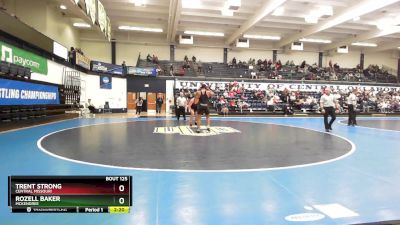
column 24, row 58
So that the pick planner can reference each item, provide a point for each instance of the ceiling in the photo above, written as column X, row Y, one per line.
column 259, row 17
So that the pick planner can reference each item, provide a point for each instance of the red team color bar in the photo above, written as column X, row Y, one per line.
column 87, row 194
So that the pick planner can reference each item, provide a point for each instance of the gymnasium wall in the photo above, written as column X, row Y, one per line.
column 60, row 28
column 90, row 87
column 203, row 54
column 115, row 96
column 130, row 52
column 298, row 57
column 245, row 55
column 97, row 50
column 349, row 60
column 45, row 18
column 379, row 58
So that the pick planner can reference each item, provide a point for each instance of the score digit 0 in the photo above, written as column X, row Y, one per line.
column 121, row 201
column 121, row 188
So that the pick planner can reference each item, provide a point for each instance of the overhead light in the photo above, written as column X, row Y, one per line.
column 389, row 24
column 63, row 7
column 316, row 40
column 312, row 18
column 145, row 29
column 205, row 33
column 279, row 11
column 325, row 10
column 83, row 25
column 226, row 12
column 398, row 47
column 397, row 20
column 191, row 4
column 356, row 18
column 139, row 2
column 364, row 44
column 262, row 37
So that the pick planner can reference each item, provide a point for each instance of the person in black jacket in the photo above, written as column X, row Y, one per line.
column 159, row 102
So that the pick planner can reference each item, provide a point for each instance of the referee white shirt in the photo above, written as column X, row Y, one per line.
column 328, row 101
column 352, row 99
column 181, row 101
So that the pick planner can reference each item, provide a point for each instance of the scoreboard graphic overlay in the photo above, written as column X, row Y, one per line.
column 70, row 194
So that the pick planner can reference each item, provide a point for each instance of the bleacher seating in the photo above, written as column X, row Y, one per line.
column 30, row 112
column 286, row 72
column 305, row 102
column 13, row 70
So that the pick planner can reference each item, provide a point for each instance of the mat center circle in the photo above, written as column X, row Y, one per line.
column 228, row 145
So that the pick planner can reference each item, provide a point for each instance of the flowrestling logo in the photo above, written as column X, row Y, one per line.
column 21, row 57
column 191, row 131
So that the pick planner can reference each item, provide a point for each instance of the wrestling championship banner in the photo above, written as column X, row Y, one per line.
column 281, row 86
column 24, row 93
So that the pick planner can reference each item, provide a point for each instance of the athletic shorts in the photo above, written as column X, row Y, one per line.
column 202, row 110
column 194, row 107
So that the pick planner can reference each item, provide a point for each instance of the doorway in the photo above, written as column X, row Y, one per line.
column 149, row 101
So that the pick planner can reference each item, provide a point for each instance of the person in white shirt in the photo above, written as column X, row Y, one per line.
column 352, row 105
column 329, row 106
column 139, row 105
column 181, row 103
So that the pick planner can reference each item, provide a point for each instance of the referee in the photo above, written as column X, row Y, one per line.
column 352, row 104
column 181, row 103
column 328, row 104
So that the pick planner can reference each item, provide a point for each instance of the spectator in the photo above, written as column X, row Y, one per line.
column 90, row 106
column 186, row 59
column 124, row 69
column 224, row 106
column 139, row 105
column 234, row 61
column 199, row 67
column 193, row 59
column 155, row 59
column 303, row 64
column 159, row 103
column 253, row 75
column 271, row 105
column 209, row 69
column 148, row 58
column 71, row 56
column 186, row 92
column 171, row 70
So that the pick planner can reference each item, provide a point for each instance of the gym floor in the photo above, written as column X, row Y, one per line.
column 244, row 171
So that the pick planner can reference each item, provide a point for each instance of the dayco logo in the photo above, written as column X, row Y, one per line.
column 7, row 55
column 191, row 131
